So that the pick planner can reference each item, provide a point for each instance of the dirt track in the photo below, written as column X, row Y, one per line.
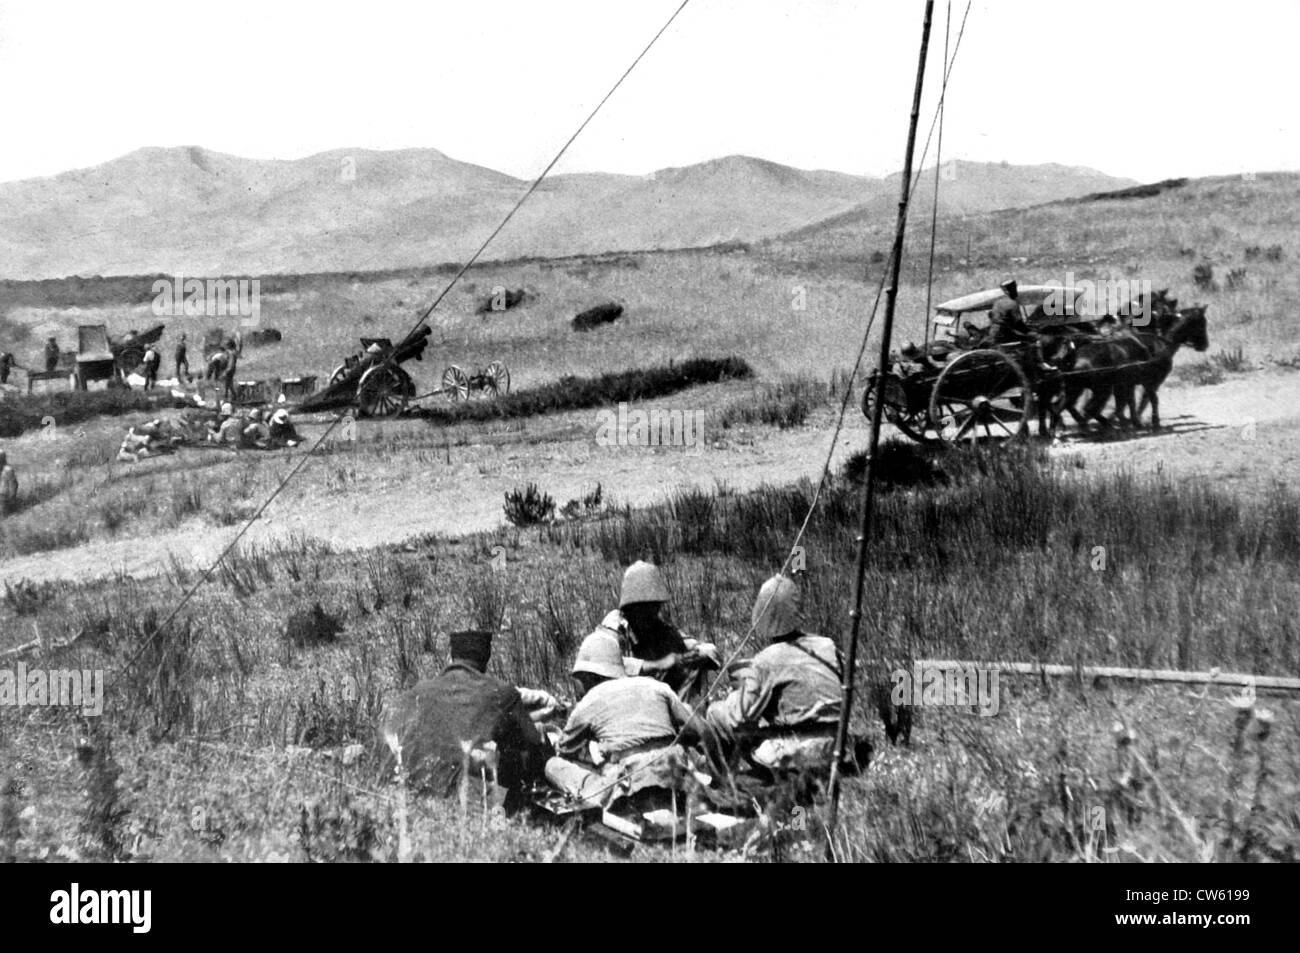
column 1244, row 433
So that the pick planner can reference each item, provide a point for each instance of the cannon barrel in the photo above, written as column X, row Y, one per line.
column 344, row 391
column 412, row 346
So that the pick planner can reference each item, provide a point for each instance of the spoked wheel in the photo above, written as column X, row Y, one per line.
column 340, row 372
column 129, row 358
column 913, row 423
column 455, row 383
column 982, row 390
column 383, row 391
column 498, row 378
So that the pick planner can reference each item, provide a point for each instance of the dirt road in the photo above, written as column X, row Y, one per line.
column 1244, row 433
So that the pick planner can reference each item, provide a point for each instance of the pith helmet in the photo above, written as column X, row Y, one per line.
column 776, row 610
column 614, row 622
column 600, row 655
column 643, row 582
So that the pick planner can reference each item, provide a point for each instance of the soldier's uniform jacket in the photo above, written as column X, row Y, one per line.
column 632, row 721
column 1006, row 322
column 794, row 683
column 463, row 705
column 622, row 714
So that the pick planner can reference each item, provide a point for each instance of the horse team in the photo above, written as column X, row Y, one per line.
column 1089, row 370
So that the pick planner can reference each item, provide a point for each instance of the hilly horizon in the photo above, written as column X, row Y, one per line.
column 194, row 211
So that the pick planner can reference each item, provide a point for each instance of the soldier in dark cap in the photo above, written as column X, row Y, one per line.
column 466, row 719
column 1006, row 324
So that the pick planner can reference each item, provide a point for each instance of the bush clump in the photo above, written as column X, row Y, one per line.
column 578, row 393
column 311, row 627
column 529, row 506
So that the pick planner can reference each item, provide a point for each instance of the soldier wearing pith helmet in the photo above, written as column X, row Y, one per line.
column 654, row 645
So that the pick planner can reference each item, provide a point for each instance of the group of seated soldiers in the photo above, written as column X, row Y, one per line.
column 641, row 724
column 256, row 428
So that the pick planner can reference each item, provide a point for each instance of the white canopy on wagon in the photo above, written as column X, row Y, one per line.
column 1029, row 296
column 1051, row 298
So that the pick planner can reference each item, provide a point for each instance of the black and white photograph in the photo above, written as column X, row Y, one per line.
column 672, row 431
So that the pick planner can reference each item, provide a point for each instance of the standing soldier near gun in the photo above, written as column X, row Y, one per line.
column 228, row 393
column 182, row 359
column 51, row 355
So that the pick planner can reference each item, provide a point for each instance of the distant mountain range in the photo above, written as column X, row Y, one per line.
column 198, row 212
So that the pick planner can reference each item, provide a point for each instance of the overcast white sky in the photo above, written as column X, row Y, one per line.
column 1141, row 88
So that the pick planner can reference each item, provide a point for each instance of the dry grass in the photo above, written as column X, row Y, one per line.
column 985, row 555
column 1194, row 578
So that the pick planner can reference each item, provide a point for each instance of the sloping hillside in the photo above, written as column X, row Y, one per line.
column 196, row 211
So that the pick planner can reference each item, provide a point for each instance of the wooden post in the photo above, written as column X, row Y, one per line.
column 1276, row 683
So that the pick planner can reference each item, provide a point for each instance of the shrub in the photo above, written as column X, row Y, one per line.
column 578, row 393
column 1233, row 361
column 1203, row 277
column 312, row 627
column 1200, row 374
column 26, row 411
column 595, row 317
column 529, row 507
column 784, row 404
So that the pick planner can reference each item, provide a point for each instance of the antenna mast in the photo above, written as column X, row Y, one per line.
column 868, row 502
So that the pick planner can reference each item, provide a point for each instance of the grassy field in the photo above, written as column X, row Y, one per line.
column 227, row 719
column 227, row 740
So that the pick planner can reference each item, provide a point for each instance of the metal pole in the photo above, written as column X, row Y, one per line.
column 851, row 651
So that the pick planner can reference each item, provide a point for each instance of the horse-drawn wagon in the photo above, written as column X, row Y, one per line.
column 959, row 387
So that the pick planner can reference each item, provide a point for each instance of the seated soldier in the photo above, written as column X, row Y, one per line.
column 441, row 726
column 657, row 647
column 784, row 711
column 228, row 428
column 1006, row 324
column 626, row 734
column 283, row 433
column 135, row 446
column 256, row 433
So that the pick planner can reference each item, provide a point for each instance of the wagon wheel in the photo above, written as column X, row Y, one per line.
column 455, row 384
column 340, row 372
column 129, row 358
column 913, row 423
column 981, row 389
column 383, row 391
column 498, row 378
